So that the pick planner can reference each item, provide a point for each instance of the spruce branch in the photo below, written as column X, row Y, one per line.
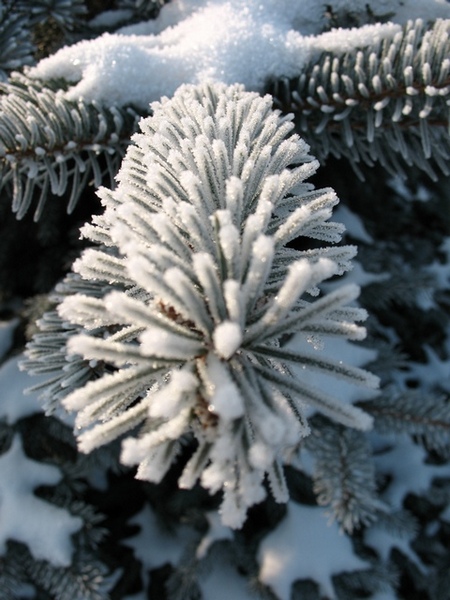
column 12, row 575
column 402, row 286
column 389, row 357
column 425, row 415
column 379, row 578
column 29, row 31
column 143, row 10
column 343, row 478
column 46, row 351
column 388, row 102
column 67, row 13
column 16, row 48
column 87, row 578
column 187, row 295
column 401, row 523
column 51, row 146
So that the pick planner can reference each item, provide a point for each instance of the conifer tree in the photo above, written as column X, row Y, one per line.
column 233, row 302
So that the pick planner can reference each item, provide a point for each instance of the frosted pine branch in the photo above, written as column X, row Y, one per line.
column 387, row 102
column 193, row 241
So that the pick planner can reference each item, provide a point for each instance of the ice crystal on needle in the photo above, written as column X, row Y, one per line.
column 199, row 292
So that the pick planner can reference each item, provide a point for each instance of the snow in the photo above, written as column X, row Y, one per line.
column 165, row 546
column 331, row 347
column 440, row 272
column 383, row 541
column 406, row 463
column 445, row 516
column 6, row 335
column 217, row 531
column 360, row 276
column 225, row 398
column 353, row 224
column 434, row 373
column 157, row 342
column 227, row 338
column 14, row 403
column 45, row 528
column 111, row 18
column 193, row 41
column 305, row 546
column 169, row 400
column 222, row 583
column 383, row 595
column 154, row 545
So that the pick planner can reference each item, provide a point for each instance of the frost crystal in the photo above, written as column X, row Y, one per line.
column 193, row 293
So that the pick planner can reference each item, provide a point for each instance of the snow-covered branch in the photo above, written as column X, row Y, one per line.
column 208, row 196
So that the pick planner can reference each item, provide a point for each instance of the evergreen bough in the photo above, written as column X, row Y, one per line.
column 386, row 102
column 191, row 341
column 40, row 158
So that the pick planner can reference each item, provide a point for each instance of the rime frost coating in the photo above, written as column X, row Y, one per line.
column 193, row 291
